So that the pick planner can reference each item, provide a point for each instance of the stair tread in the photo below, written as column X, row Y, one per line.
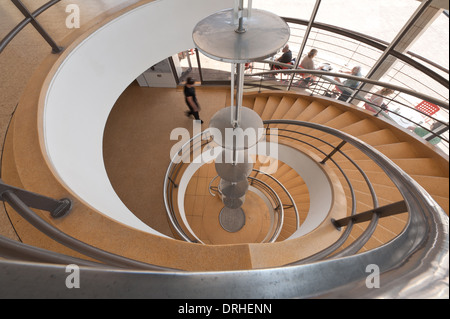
column 393, row 150
column 260, row 103
column 283, row 107
column 312, row 109
column 416, row 166
column 270, row 107
column 330, row 112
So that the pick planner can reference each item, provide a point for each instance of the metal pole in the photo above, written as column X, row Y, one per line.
column 305, row 39
column 57, row 208
column 333, row 152
column 37, row 25
column 233, row 87
column 385, row 211
column 391, row 48
column 239, row 94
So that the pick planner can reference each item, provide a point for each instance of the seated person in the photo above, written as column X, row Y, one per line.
column 308, row 63
column 377, row 99
column 285, row 58
column 348, row 84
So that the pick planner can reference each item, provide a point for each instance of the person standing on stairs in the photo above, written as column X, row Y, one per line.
column 191, row 99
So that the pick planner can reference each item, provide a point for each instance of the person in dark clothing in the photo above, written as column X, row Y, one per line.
column 285, row 58
column 287, row 55
column 191, row 99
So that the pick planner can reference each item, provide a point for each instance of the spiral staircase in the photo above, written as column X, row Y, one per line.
column 410, row 245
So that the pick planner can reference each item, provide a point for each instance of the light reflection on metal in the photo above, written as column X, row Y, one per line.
column 238, row 35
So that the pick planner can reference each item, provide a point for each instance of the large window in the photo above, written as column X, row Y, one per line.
column 382, row 19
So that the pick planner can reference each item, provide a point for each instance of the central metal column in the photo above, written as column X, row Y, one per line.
column 252, row 35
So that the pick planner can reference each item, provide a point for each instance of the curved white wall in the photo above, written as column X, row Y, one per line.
column 91, row 79
column 319, row 187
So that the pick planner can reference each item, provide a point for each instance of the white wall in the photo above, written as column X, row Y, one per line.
column 319, row 187
column 91, row 79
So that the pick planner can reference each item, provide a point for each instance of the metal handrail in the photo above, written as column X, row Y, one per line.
column 279, row 208
column 412, row 265
column 378, row 44
column 358, row 243
column 276, row 202
column 380, row 111
column 15, row 250
column 30, row 19
column 169, row 182
column 294, row 205
column 108, row 258
column 422, row 96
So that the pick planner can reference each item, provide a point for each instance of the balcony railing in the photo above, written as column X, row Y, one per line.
column 402, row 108
column 418, row 253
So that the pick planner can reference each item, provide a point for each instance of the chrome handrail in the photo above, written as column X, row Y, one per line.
column 412, row 265
column 169, row 183
column 271, row 193
column 276, row 199
column 108, row 258
column 378, row 44
column 362, row 239
column 278, row 208
column 294, row 205
column 426, row 97
column 379, row 111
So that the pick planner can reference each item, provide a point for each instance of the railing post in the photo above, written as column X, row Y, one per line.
column 174, row 184
column 57, row 208
column 337, row 148
column 305, row 39
column 32, row 18
column 392, row 46
column 384, row 211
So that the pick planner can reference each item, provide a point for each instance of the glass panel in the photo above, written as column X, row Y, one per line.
column 214, row 71
column 188, row 62
column 434, row 42
column 288, row 8
column 382, row 19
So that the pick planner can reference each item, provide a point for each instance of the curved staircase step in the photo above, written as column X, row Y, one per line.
column 412, row 166
column 270, row 107
column 260, row 103
column 283, row 107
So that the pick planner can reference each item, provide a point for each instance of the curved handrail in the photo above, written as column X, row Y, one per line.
column 16, row 30
column 383, row 111
column 355, row 246
column 378, row 44
column 276, row 203
column 278, row 208
column 169, row 183
column 109, row 258
column 414, row 264
column 276, row 199
column 352, row 77
column 294, row 206
column 362, row 239
column 15, row 250
column 170, row 176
